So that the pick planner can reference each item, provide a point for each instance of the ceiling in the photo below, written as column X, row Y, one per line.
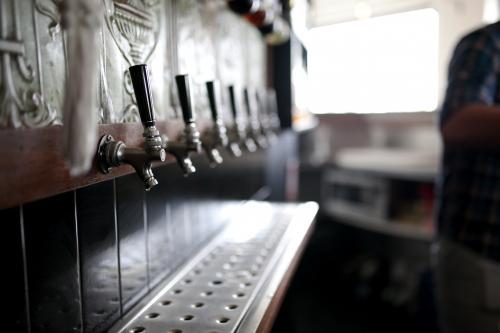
column 325, row 12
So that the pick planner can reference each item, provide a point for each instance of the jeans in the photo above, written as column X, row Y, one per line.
column 467, row 289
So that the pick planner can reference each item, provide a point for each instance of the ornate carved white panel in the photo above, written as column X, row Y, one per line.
column 135, row 33
column 22, row 99
column 201, row 38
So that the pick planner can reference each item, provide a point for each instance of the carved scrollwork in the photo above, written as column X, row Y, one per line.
column 131, row 112
column 50, row 8
column 135, row 28
column 19, row 106
column 134, row 25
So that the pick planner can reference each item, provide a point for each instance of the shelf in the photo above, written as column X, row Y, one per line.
column 390, row 163
column 348, row 216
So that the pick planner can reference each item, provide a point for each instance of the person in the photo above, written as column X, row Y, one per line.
column 467, row 255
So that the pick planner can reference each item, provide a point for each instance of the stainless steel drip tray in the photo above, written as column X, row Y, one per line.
column 229, row 284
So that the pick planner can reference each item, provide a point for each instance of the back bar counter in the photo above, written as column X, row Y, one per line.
column 139, row 142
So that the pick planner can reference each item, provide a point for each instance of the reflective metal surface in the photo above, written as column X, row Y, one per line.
column 215, row 290
column 202, row 38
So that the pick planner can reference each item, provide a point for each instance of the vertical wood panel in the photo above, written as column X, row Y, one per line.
column 53, row 274
column 98, row 256
column 11, row 257
column 132, row 239
column 159, row 237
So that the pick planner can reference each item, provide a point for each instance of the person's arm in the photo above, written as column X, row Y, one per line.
column 473, row 125
column 469, row 116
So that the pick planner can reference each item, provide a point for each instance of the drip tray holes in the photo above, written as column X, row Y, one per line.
column 215, row 292
column 216, row 283
column 222, row 320
column 207, row 293
column 197, row 305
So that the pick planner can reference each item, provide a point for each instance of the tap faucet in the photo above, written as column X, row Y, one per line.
column 254, row 129
column 112, row 153
column 189, row 141
column 264, row 116
column 237, row 132
column 217, row 135
column 272, row 114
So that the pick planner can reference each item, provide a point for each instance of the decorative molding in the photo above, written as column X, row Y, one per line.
column 19, row 106
column 50, row 8
column 106, row 110
column 135, row 27
column 130, row 113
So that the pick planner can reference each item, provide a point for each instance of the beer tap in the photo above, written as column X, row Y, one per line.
column 253, row 126
column 216, row 136
column 237, row 133
column 272, row 112
column 189, row 141
column 264, row 116
column 112, row 153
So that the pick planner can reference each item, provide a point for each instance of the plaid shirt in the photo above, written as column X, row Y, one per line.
column 469, row 184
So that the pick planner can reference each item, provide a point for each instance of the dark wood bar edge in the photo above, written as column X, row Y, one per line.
column 266, row 324
column 33, row 166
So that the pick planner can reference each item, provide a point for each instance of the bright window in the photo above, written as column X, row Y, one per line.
column 382, row 64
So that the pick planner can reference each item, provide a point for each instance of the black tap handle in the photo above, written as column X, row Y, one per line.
column 232, row 100
column 258, row 100
column 248, row 106
column 261, row 103
column 213, row 91
column 272, row 102
column 185, row 98
column 142, row 89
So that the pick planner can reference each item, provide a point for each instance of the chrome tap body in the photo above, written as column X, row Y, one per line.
column 112, row 153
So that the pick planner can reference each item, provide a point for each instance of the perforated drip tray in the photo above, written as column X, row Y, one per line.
column 228, row 285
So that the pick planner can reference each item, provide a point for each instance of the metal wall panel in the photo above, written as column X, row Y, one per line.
column 202, row 38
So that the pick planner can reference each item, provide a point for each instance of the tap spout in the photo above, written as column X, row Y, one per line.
column 188, row 142
column 113, row 153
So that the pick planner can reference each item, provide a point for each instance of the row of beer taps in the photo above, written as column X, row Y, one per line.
column 258, row 132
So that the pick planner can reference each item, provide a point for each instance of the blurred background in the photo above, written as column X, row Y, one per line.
column 369, row 77
column 339, row 98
